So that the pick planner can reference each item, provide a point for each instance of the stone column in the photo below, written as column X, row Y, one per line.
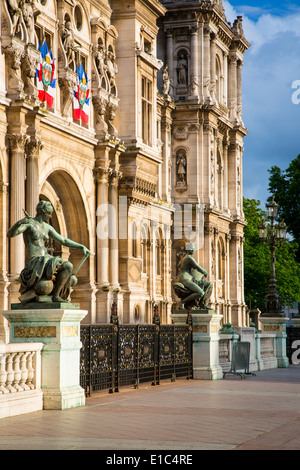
column 102, row 173
column 233, row 186
column 206, row 65
column 232, row 88
column 225, row 86
column 225, row 164
column 169, row 57
column 194, row 85
column 102, row 178
column 17, row 198
column 213, row 68
column 235, row 247
column 114, row 227
column 33, row 148
column 239, row 93
column 4, row 330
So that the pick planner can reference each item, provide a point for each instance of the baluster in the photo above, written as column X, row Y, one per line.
column 24, row 371
column 17, row 371
column 10, row 372
column 30, row 369
column 3, row 374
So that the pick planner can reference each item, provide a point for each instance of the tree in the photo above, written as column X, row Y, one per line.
column 285, row 187
column 257, row 263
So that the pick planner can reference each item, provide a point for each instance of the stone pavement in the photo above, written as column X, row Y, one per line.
column 259, row 413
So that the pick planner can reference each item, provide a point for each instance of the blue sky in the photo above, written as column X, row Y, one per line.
column 271, row 69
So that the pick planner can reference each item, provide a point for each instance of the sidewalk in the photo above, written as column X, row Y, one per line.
column 261, row 412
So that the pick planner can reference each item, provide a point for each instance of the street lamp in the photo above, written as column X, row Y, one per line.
column 274, row 236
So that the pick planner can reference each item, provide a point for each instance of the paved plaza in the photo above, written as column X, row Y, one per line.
column 259, row 413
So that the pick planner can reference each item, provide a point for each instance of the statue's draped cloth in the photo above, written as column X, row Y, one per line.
column 39, row 267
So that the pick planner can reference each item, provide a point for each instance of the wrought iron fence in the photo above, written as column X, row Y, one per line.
column 115, row 355
column 292, row 334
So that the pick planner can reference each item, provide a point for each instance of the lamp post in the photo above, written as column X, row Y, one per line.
column 274, row 236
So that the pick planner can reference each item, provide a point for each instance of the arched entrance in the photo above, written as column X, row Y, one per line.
column 71, row 221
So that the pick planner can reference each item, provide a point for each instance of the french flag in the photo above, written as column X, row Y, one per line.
column 46, row 83
column 81, row 96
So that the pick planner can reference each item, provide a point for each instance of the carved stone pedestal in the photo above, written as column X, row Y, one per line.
column 277, row 326
column 206, row 326
column 59, row 330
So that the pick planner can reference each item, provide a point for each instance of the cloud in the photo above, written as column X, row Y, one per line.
column 271, row 67
column 267, row 27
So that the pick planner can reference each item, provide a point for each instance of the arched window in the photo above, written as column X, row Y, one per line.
column 144, row 249
column 218, row 80
column 220, row 180
column 221, row 266
column 133, row 240
column 136, row 314
column 159, row 253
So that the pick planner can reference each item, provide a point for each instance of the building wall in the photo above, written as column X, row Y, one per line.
column 204, row 55
column 125, row 154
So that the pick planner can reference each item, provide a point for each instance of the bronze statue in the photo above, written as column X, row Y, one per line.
column 192, row 289
column 44, row 275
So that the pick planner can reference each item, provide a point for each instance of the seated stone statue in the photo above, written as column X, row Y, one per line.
column 44, row 274
column 192, row 289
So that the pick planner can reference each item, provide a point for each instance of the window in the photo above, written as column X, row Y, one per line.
column 78, row 17
column 81, row 59
column 218, row 81
column 43, row 35
column 133, row 240
column 144, row 248
column 146, row 111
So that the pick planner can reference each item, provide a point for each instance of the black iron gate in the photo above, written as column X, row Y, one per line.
column 293, row 334
column 115, row 355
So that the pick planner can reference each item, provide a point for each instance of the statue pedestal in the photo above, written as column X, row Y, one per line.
column 206, row 326
column 277, row 326
column 59, row 330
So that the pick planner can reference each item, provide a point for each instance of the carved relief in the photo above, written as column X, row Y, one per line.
column 104, row 73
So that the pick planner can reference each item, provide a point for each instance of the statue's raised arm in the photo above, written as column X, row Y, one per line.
column 45, row 278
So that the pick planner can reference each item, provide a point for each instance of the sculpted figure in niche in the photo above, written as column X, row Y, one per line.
column 192, row 289
column 182, row 69
column 44, row 274
column 29, row 16
column 112, row 70
column 15, row 11
column 69, row 44
column 166, row 81
column 100, row 60
column 181, row 168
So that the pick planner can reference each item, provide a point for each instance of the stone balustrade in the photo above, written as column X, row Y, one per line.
column 20, row 378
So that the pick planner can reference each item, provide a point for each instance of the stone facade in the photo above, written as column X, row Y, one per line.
column 139, row 141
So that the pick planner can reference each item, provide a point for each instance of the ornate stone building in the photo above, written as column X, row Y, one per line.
column 204, row 55
column 92, row 120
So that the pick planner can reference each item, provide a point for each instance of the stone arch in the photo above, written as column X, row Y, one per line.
column 73, row 215
column 56, row 163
